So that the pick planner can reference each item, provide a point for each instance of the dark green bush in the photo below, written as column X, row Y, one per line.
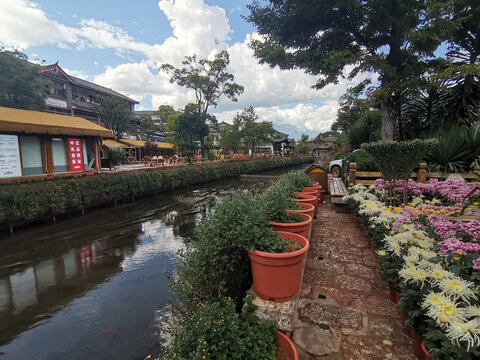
column 364, row 161
column 216, row 331
column 117, row 156
column 397, row 160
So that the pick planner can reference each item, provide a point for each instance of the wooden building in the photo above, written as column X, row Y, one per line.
column 39, row 144
column 73, row 96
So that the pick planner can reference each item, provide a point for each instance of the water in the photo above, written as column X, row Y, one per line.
column 93, row 286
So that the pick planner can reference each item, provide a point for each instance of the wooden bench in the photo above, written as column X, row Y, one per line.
column 337, row 191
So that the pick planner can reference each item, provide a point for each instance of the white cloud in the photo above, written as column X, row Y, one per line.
column 197, row 28
column 24, row 24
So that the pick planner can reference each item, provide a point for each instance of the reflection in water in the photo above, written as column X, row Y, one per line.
column 91, row 287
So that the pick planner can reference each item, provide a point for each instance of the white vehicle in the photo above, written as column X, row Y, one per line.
column 335, row 166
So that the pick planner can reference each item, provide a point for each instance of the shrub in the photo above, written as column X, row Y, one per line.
column 117, row 156
column 217, row 264
column 216, row 331
column 364, row 161
column 275, row 202
column 397, row 160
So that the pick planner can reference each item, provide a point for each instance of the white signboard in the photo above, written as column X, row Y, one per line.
column 56, row 102
column 9, row 157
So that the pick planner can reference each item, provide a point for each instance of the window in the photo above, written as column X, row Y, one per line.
column 89, row 153
column 31, row 152
column 58, row 89
column 59, row 151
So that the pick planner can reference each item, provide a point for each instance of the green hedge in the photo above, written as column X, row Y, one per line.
column 30, row 200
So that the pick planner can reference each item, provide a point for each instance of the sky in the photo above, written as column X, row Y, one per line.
column 120, row 44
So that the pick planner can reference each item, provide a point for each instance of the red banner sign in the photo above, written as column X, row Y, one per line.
column 75, row 155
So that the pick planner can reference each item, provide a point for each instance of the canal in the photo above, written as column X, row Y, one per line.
column 94, row 286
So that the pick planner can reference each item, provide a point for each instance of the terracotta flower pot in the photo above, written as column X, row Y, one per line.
column 316, row 183
column 306, row 199
column 319, row 189
column 417, row 345
column 287, row 346
column 278, row 276
column 313, row 193
column 426, row 354
column 307, row 209
column 300, row 228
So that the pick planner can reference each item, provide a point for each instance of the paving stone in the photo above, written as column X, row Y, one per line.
column 316, row 341
column 388, row 327
column 333, row 315
column 376, row 304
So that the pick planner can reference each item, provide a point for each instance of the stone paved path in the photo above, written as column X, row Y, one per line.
column 345, row 311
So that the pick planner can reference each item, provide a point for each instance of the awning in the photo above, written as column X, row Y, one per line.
column 37, row 122
column 141, row 144
column 133, row 143
column 112, row 144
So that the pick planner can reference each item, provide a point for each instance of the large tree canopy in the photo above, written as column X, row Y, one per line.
column 331, row 37
column 209, row 79
column 20, row 85
column 114, row 113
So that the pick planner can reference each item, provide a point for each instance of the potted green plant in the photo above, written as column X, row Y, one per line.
column 217, row 331
column 117, row 157
column 276, row 203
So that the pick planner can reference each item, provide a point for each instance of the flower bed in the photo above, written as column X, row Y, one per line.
column 30, row 200
column 431, row 257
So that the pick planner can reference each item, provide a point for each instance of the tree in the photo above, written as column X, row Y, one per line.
column 303, row 147
column 230, row 139
column 148, row 128
column 172, row 135
column 328, row 38
column 252, row 132
column 21, row 86
column 191, row 126
column 365, row 129
column 164, row 111
column 351, row 109
column 114, row 113
column 208, row 79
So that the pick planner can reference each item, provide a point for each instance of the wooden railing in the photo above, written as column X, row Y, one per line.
column 354, row 177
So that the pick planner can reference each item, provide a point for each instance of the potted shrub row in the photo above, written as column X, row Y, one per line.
column 238, row 243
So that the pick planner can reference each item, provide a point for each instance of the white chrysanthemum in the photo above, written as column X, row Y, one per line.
column 443, row 309
column 415, row 202
column 426, row 254
column 381, row 252
column 392, row 245
column 411, row 260
column 429, row 265
column 473, row 311
column 413, row 274
column 465, row 332
column 457, row 288
column 437, row 273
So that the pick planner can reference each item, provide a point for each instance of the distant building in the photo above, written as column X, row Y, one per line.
column 157, row 120
column 215, row 132
column 73, row 96
column 323, row 145
column 282, row 144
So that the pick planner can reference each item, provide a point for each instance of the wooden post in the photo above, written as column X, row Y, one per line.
column 422, row 173
column 352, row 174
